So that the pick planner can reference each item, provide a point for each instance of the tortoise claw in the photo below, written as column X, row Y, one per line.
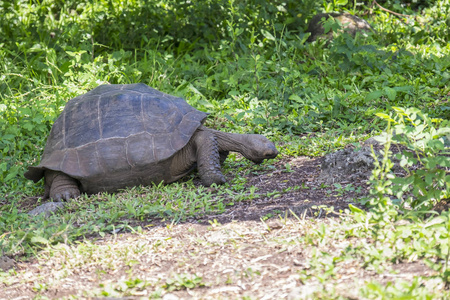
column 66, row 195
column 56, row 197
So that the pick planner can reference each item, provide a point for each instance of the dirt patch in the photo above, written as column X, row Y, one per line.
column 246, row 251
column 296, row 190
column 238, row 259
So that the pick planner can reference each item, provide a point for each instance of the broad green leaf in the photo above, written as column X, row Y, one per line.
column 443, row 161
column 429, row 178
column 356, row 209
column 39, row 239
column 295, row 98
column 374, row 95
column 404, row 88
column 28, row 126
column 384, row 116
column 399, row 110
column 267, row 35
column 390, row 93
column 341, row 2
column 436, row 144
column 435, row 221
column 259, row 121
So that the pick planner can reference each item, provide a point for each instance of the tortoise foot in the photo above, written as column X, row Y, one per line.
column 65, row 193
column 62, row 187
column 209, row 178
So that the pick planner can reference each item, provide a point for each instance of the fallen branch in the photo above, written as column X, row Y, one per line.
column 389, row 11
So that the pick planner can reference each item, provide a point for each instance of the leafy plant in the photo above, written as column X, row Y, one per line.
column 425, row 159
column 183, row 281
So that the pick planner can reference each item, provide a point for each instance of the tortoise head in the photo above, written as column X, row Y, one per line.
column 258, row 148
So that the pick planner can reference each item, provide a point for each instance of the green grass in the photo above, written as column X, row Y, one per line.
column 246, row 63
column 256, row 75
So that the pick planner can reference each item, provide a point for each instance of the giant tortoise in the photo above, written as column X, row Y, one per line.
column 124, row 135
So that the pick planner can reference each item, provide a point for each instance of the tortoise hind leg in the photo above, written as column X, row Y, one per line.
column 208, row 159
column 60, row 186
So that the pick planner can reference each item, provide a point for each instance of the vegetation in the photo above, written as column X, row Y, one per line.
column 248, row 64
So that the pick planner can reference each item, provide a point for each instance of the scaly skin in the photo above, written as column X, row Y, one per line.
column 60, row 187
column 208, row 158
column 254, row 147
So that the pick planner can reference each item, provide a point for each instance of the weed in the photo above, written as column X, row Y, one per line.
column 183, row 281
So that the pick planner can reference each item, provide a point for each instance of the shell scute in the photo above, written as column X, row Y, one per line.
column 88, row 162
column 136, row 153
column 79, row 122
column 120, row 115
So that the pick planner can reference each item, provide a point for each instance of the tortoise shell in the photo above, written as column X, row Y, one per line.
column 116, row 135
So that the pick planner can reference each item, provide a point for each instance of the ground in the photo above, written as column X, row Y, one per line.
column 263, row 249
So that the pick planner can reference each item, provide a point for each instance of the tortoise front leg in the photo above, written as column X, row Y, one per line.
column 223, row 156
column 208, row 159
column 60, row 186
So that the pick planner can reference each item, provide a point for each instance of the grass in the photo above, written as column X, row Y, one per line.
column 247, row 63
column 330, row 258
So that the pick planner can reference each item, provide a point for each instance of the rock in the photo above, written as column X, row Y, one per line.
column 350, row 23
column 352, row 165
column 372, row 141
column 347, row 165
column 6, row 263
column 47, row 208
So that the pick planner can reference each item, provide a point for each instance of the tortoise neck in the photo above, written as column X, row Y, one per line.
column 231, row 141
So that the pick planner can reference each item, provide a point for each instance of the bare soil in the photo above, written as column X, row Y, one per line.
column 254, row 249
column 308, row 199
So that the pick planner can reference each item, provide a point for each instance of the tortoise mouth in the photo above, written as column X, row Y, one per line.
column 271, row 153
column 268, row 155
